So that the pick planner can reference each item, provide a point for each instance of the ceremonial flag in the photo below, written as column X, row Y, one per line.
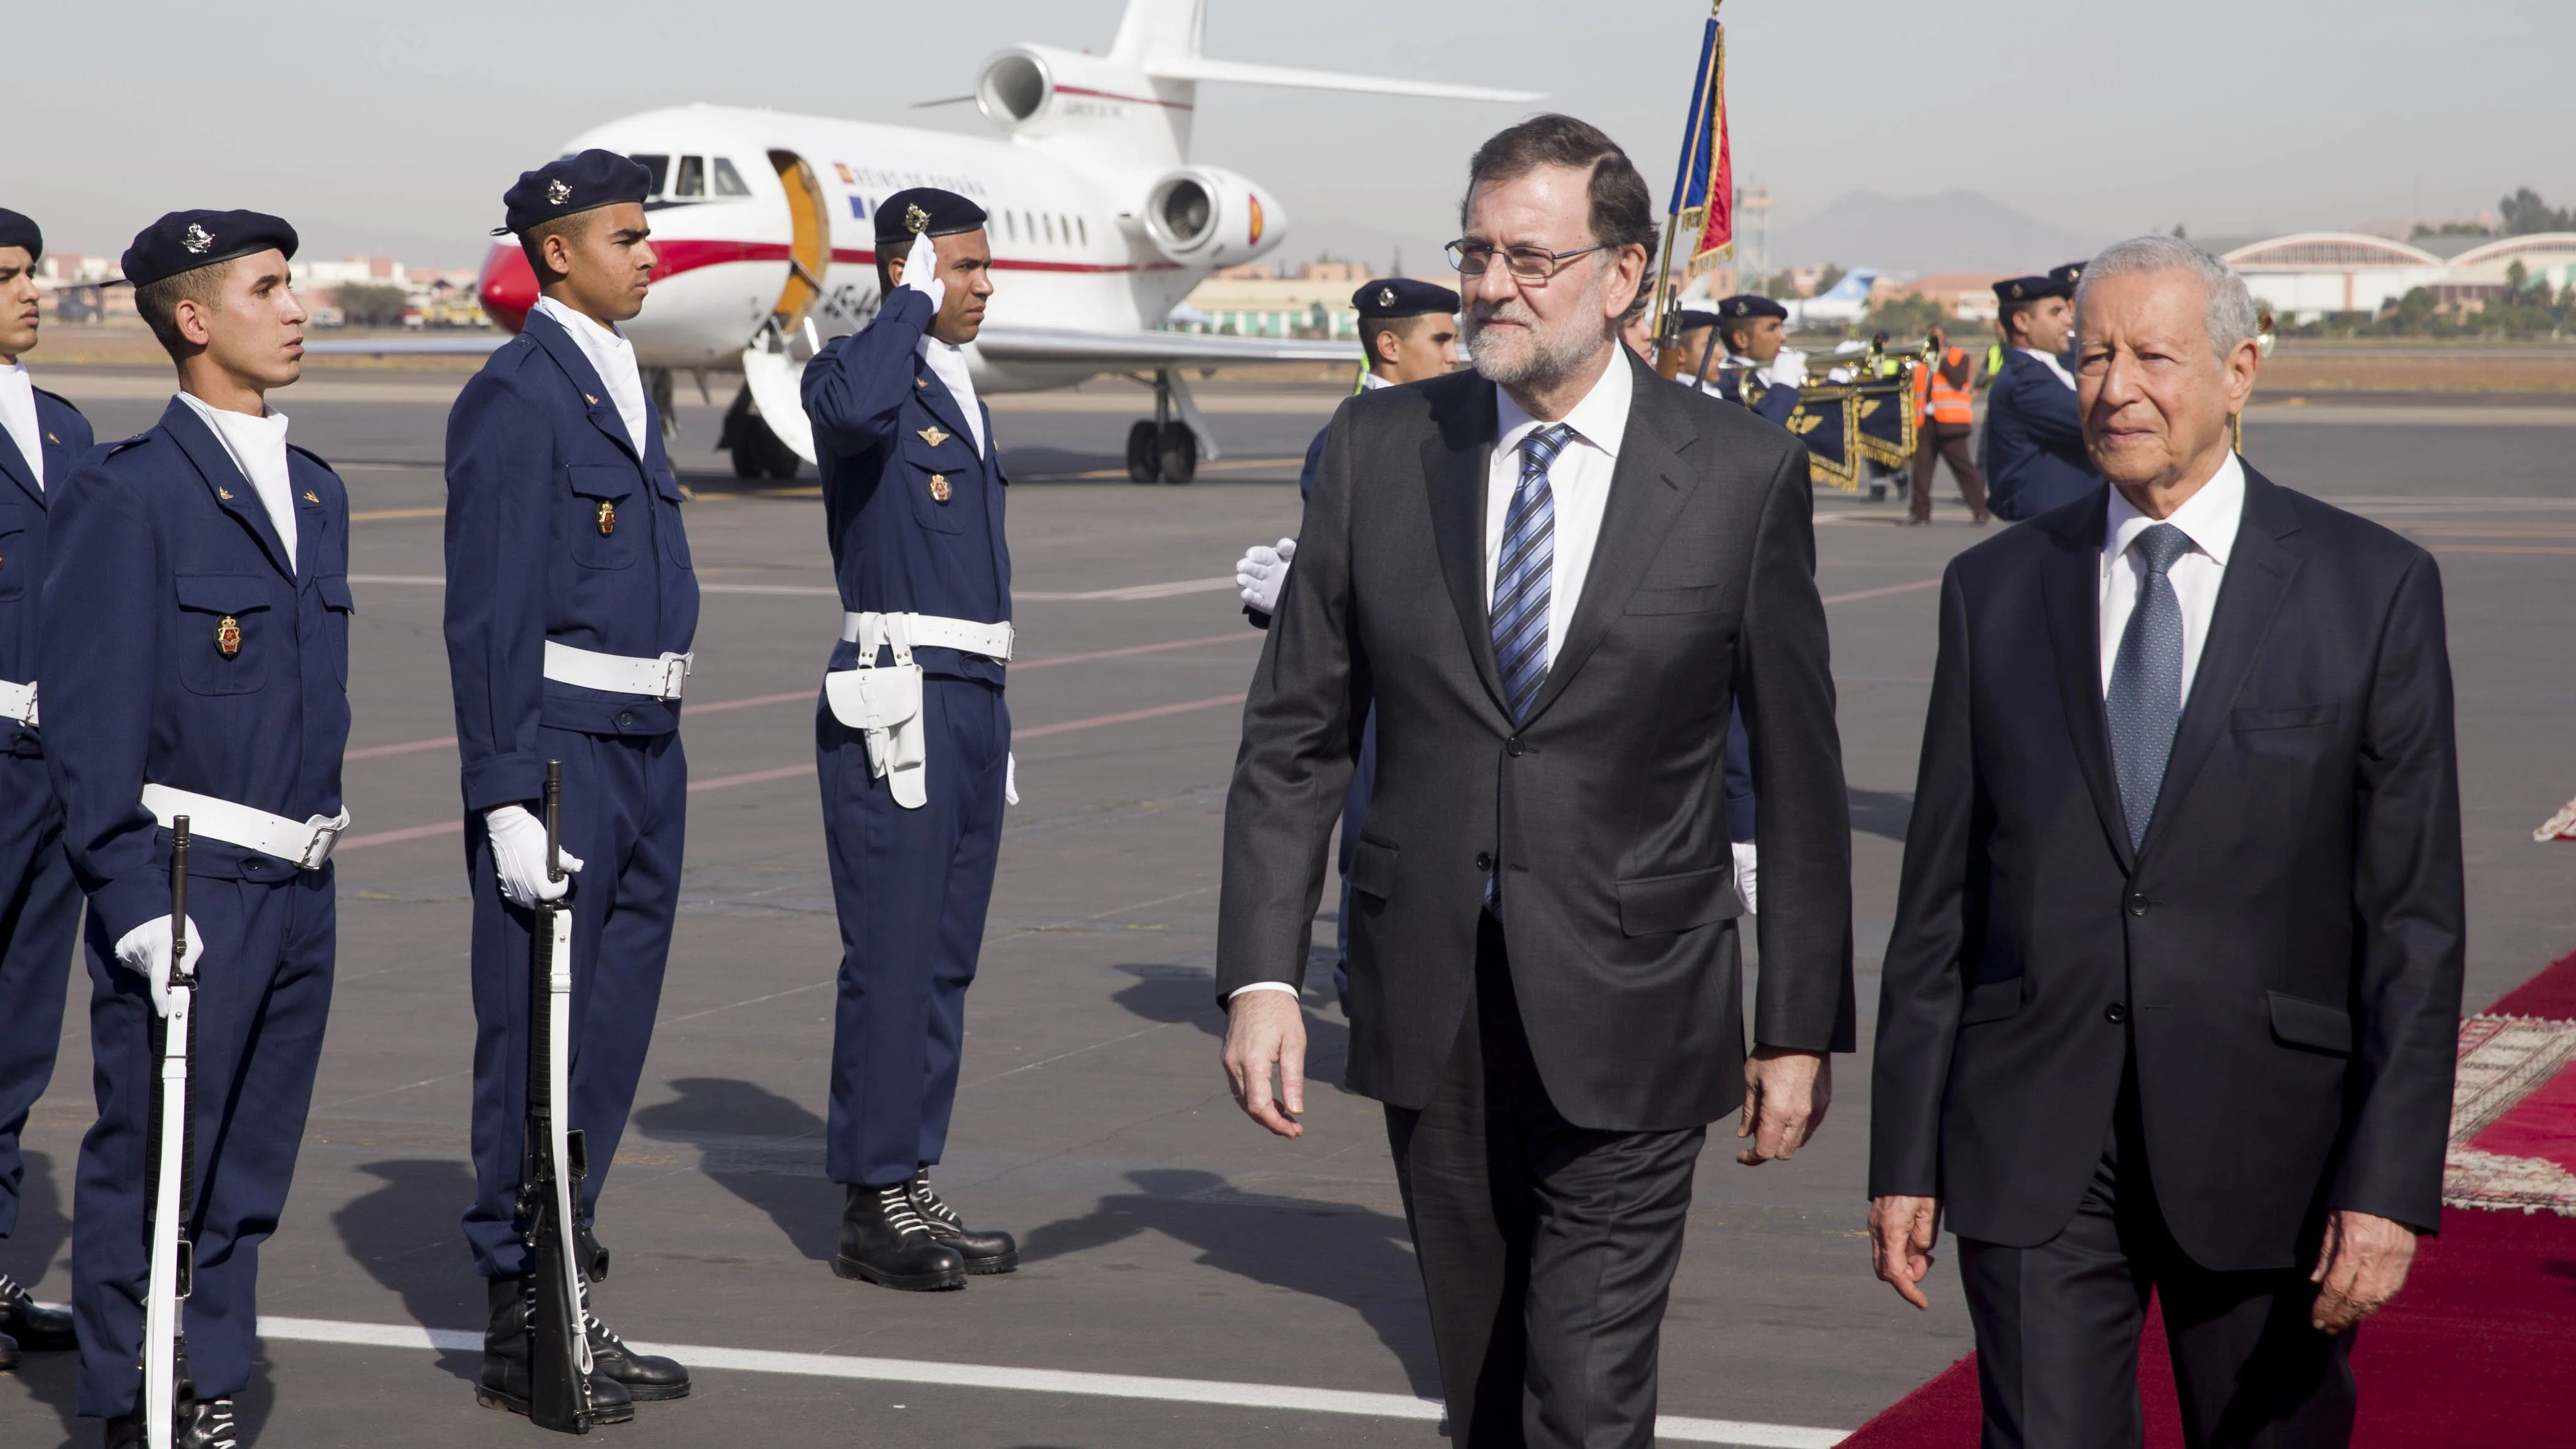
column 1703, row 208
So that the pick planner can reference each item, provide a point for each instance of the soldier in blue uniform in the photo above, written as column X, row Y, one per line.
column 571, row 605
column 194, row 649
column 912, row 735
column 2032, row 452
column 39, row 898
column 1753, row 331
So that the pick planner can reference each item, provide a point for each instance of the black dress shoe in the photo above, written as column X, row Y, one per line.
column 885, row 1239
column 507, row 1360
column 205, row 1424
column 647, row 1378
column 984, row 1252
column 37, row 1329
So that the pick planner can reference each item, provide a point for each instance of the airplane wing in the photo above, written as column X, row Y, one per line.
column 461, row 344
column 1148, row 349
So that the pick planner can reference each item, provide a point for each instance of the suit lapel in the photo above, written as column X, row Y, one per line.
column 2260, row 568
column 233, row 492
column 1454, row 465
column 942, row 403
column 602, row 410
column 1648, row 487
column 14, row 464
column 312, row 521
column 2071, row 589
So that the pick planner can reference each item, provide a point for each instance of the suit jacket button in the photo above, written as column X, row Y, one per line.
column 1512, row 747
column 1484, row 862
column 2137, row 905
column 2115, row 1013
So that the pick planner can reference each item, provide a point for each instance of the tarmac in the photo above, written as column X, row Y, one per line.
column 1188, row 1279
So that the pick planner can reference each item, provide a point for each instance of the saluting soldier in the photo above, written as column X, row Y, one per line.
column 194, row 650
column 570, row 610
column 2032, row 449
column 913, row 737
column 39, row 898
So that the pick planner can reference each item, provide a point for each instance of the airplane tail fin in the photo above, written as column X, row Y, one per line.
column 1165, row 39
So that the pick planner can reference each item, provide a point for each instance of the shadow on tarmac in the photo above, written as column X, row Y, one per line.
column 711, row 1111
column 1882, row 812
column 406, row 1234
column 1166, row 993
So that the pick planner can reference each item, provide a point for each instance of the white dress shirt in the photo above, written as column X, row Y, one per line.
column 258, row 447
column 613, row 358
column 2055, row 365
column 1370, row 381
column 18, row 416
column 2209, row 518
column 948, row 363
column 1580, row 478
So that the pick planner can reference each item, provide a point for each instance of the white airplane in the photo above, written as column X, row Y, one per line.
column 1842, row 305
column 1100, row 224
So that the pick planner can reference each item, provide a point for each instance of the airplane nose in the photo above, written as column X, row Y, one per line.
column 508, row 286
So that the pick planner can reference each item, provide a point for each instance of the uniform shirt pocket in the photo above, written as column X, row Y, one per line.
column 935, row 474
column 604, row 517
column 227, row 629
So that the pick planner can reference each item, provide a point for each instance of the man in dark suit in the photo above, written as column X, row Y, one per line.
column 2032, row 449
column 1549, row 579
column 2172, row 996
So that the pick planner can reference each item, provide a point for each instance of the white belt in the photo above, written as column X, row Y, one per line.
column 307, row 843
column 659, row 678
column 929, row 631
column 18, row 702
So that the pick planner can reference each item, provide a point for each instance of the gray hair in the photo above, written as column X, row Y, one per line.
column 2230, row 318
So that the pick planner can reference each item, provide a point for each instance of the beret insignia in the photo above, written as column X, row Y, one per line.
column 557, row 192
column 915, row 219
column 196, row 240
column 1386, row 296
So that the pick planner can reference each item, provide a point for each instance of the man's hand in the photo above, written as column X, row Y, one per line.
column 1265, row 1032
column 1785, row 1096
column 1902, row 1231
column 2360, row 1267
column 921, row 272
column 1262, row 572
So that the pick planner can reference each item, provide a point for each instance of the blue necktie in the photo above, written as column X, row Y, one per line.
column 1523, row 576
column 2145, row 699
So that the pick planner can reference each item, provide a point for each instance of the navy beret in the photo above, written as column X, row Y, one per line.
column 2067, row 276
column 19, row 230
column 2031, row 289
column 1749, row 304
column 570, row 185
column 186, row 240
column 1404, row 297
column 926, row 211
column 1694, row 318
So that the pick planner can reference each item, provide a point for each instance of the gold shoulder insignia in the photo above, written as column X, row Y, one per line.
column 933, row 436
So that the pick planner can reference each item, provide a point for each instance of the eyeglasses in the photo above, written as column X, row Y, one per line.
column 1525, row 263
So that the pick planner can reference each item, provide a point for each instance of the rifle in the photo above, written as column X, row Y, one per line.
column 168, row 1389
column 552, row 1162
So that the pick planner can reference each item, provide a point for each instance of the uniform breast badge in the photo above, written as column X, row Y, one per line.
column 933, row 436
column 607, row 517
column 312, row 497
column 939, row 489
column 228, row 636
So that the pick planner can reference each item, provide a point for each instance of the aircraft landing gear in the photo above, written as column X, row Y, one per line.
column 756, row 451
column 1162, row 448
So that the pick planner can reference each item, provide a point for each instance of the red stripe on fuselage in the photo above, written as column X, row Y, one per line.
column 687, row 255
column 1131, row 100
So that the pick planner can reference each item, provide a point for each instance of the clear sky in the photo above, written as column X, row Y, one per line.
column 396, row 128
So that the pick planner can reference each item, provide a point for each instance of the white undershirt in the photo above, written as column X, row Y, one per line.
column 948, row 363
column 613, row 358
column 258, row 448
column 2054, row 365
column 1580, row 479
column 2209, row 517
column 18, row 416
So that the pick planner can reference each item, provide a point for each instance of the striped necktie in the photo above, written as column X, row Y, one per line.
column 1523, row 577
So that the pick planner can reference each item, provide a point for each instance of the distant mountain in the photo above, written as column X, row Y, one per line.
column 1955, row 231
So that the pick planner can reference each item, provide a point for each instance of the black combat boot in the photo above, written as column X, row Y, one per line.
column 36, row 1329
column 203, row 1424
column 507, row 1360
column 884, row 1239
column 991, row 1251
column 646, row 1377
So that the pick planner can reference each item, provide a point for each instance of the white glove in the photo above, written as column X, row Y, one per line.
column 145, row 950
column 1262, row 572
column 1744, row 864
column 1789, row 369
column 921, row 271
column 519, row 858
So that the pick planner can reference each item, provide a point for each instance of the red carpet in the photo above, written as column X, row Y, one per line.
column 2480, row 1348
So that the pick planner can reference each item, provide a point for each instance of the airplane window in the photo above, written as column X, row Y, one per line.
column 660, row 166
column 692, row 180
column 728, row 180
column 1086, row 229
column 1050, row 228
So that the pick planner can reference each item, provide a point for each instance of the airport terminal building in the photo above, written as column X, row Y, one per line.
column 2306, row 275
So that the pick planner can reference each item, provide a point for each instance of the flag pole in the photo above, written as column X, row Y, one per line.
column 1664, row 330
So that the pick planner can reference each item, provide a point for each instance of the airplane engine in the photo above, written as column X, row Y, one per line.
column 1204, row 216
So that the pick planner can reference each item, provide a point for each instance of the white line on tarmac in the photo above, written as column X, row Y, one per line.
column 1044, row 1381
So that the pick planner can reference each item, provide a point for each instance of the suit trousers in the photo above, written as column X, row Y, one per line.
column 263, row 995
column 625, row 811
column 2058, row 1326
column 1547, row 1249
column 1934, row 442
column 912, row 887
column 40, row 910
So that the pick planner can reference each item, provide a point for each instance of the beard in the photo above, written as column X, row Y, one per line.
column 1537, row 353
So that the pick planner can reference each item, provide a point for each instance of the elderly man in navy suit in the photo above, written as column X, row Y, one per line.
column 39, row 897
column 571, row 605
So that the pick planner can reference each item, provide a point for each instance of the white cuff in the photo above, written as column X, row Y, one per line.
column 1259, row 986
